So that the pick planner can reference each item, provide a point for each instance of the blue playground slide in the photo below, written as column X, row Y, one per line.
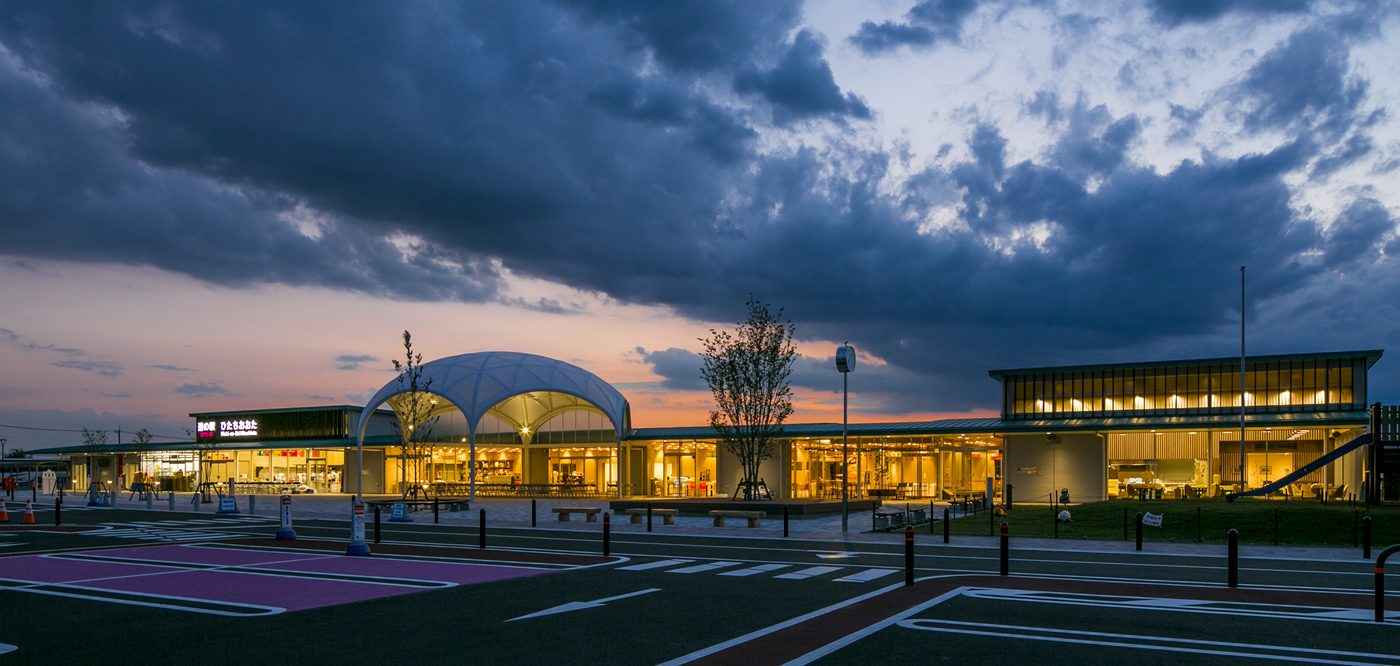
column 1305, row 469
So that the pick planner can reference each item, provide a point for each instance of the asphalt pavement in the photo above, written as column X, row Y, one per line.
column 660, row 597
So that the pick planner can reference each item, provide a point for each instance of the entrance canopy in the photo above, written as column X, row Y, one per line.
column 478, row 383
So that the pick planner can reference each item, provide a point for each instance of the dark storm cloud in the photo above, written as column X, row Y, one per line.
column 1176, row 12
column 885, row 389
column 352, row 361
column 928, row 23
column 104, row 368
column 801, row 85
column 1304, row 84
column 201, row 389
column 408, row 150
column 679, row 369
column 14, row 339
column 696, row 36
column 73, row 192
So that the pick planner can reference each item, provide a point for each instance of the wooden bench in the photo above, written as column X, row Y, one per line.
column 752, row 516
column 590, row 513
column 638, row 516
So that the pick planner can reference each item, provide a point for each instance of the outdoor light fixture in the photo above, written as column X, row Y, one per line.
column 845, row 364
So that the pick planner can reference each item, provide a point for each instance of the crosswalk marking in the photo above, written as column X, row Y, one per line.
column 195, row 529
column 867, row 575
column 703, row 567
column 860, row 575
column 807, row 573
column 762, row 568
column 654, row 565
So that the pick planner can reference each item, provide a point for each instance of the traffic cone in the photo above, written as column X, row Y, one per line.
column 4, row 515
column 28, row 512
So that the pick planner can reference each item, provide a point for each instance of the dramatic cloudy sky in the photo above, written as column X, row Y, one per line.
column 215, row 206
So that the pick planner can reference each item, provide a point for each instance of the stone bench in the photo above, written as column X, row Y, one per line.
column 752, row 516
column 638, row 516
column 590, row 513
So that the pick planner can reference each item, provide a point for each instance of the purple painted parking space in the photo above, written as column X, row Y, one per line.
column 216, row 556
column 298, row 592
column 288, row 593
column 462, row 574
column 53, row 570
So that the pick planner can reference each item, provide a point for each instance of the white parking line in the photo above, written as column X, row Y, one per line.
column 867, row 575
column 703, row 567
column 807, row 573
column 1154, row 643
column 654, row 565
column 762, row 568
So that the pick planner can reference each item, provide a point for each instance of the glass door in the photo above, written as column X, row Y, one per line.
column 316, row 471
column 680, row 475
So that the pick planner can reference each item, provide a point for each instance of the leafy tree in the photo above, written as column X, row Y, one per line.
column 747, row 372
column 414, row 408
column 141, row 440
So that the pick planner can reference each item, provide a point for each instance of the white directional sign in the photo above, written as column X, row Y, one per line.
column 580, row 605
column 1151, row 520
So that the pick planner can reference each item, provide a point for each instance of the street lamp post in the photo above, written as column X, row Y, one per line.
column 846, row 364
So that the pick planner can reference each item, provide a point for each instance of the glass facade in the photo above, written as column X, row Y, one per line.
column 896, row 467
column 1285, row 385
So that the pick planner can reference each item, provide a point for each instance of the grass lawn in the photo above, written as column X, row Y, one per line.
column 1298, row 523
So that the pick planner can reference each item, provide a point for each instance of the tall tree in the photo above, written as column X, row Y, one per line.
column 414, row 408
column 747, row 373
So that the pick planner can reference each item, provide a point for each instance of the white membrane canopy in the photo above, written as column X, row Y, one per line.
column 478, row 383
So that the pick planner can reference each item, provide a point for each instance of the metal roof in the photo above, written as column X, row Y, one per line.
column 231, row 445
column 941, row 427
column 319, row 408
column 999, row 426
column 1371, row 357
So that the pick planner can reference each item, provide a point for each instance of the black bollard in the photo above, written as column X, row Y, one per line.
column 532, row 513
column 1275, row 526
column 1139, row 530
column 908, row 555
column 58, row 511
column 1355, row 528
column 648, row 516
column 1055, row 518
column 1366, row 538
column 1233, row 565
column 481, row 529
column 1125, row 523
column 930, row 517
column 376, row 523
column 785, row 520
column 1198, row 524
column 607, row 535
column 1005, row 549
column 435, row 511
column 1380, row 589
column 947, row 524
